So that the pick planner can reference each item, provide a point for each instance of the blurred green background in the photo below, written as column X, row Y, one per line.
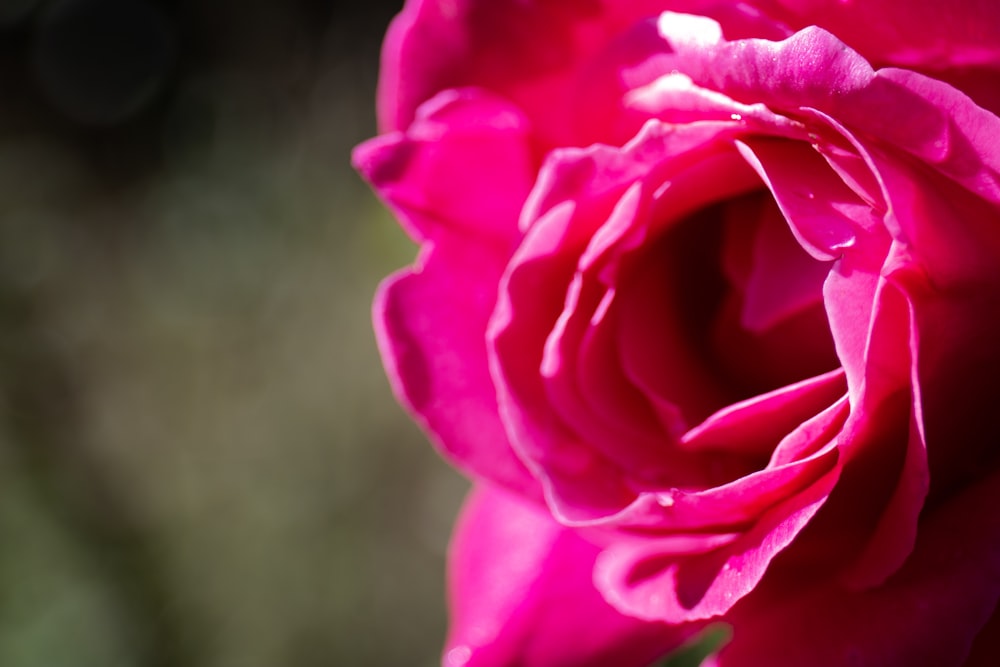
column 201, row 463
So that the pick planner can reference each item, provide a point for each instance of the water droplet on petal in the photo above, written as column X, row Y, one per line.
column 664, row 500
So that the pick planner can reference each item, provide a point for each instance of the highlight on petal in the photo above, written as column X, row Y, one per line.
column 522, row 595
column 811, row 68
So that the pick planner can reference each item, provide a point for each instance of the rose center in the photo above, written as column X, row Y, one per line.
column 743, row 300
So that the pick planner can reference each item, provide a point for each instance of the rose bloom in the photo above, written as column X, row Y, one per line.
column 707, row 305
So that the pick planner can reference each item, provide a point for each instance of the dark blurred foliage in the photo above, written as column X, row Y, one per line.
column 200, row 460
column 112, row 78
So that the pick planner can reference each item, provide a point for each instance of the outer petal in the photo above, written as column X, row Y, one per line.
column 922, row 33
column 953, row 286
column 810, row 68
column 429, row 325
column 942, row 127
column 813, row 69
column 525, row 51
column 430, row 320
column 537, row 53
column 522, row 595
column 947, row 266
column 464, row 167
column 926, row 615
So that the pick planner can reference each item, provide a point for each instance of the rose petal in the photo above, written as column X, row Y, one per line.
column 666, row 300
column 948, row 269
column 802, row 457
column 529, row 52
column 942, row 127
column 562, row 359
column 536, row 54
column 784, row 279
column 507, row 46
column 577, row 192
column 522, row 595
column 812, row 68
column 642, row 581
column 825, row 215
column 463, row 166
column 430, row 326
column 601, row 380
column 873, row 513
column 894, row 535
column 634, row 78
column 923, row 33
column 756, row 424
column 456, row 177
column 927, row 615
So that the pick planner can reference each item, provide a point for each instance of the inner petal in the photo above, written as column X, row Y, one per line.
column 720, row 307
column 668, row 299
column 771, row 328
column 784, row 279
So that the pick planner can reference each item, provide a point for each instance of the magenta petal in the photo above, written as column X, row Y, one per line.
column 457, row 178
column 430, row 325
column 784, row 279
column 802, row 457
column 527, row 52
column 626, row 85
column 754, row 426
column 602, row 382
column 926, row 33
column 531, row 299
column 949, row 272
column 812, row 68
column 895, row 533
column 463, row 166
column 737, row 504
column 825, row 215
column 522, row 595
column 927, row 615
column 578, row 192
column 658, row 353
column 621, row 442
column 942, row 127
column 640, row 579
column 537, row 54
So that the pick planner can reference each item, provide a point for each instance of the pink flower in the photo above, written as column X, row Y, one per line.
column 708, row 304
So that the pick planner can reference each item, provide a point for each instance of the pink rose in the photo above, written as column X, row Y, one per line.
column 708, row 305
